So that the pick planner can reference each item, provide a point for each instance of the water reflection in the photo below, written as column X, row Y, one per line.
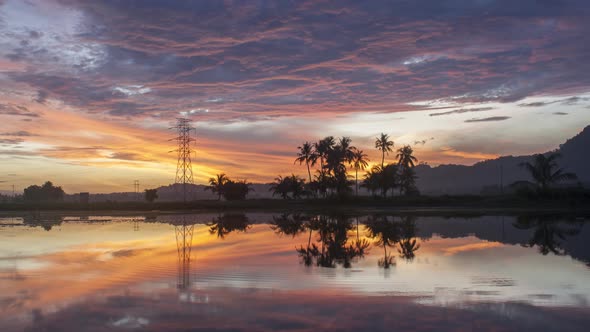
column 184, row 244
column 549, row 232
column 47, row 222
column 270, row 269
column 333, row 247
column 227, row 223
column 408, row 244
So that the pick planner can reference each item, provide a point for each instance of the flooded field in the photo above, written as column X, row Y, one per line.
column 295, row 272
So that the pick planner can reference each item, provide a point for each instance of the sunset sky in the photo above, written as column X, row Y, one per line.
column 89, row 89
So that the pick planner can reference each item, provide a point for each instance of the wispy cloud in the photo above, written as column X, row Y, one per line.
column 463, row 110
column 492, row 118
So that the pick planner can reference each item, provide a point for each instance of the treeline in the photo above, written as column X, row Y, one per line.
column 331, row 161
column 229, row 189
column 45, row 192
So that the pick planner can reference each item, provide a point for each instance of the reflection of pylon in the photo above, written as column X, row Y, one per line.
column 184, row 169
column 184, row 242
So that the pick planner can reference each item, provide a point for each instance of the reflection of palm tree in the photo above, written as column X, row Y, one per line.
column 361, row 245
column 307, row 254
column 387, row 234
column 333, row 248
column 287, row 224
column 408, row 244
column 547, row 231
column 227, row 223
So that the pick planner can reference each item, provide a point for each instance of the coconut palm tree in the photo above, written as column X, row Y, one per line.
column 296, row 186
column 545, row 171
column 405, row 157
column 372, row 180
column 389, row 179
column 307, row 155
column 407, row 181
column 346, row 149
column 281, row 186
column 383, row 144
column 359, row 161
column 323, row 147
column 217, row 184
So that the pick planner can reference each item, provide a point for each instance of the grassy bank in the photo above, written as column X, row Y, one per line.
column 424, row 204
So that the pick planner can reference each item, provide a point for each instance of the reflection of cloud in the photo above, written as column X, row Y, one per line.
column 471, row 247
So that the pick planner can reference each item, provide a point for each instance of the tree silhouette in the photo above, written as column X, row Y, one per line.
column 217, row 184
column 281, row 186
column 359, row 162
column 151, row 195
column 407, row 176
column 322, row 148
column 405, row 157
column 407, row 181
column 336, row 160
column 296, row 186
column 372, row 180
column 383, row 144
column 307, row 155
column 46, row 192
column 390, row 178
column 545, row 171
column 236, row 190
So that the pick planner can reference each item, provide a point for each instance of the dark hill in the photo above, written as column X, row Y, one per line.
column 489, row 176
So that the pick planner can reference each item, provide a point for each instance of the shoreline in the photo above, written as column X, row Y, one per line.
column 452, row 205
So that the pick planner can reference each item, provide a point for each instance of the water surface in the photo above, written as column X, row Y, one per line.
column 293, row 272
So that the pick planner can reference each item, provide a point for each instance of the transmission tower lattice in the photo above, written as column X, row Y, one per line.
column 184, row 243
column 184, row 169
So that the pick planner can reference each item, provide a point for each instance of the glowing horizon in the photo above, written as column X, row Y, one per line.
column 88, row 91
